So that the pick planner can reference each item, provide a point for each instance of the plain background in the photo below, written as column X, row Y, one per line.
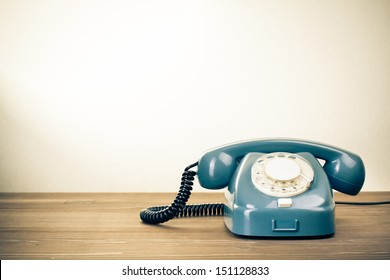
column 101, row 96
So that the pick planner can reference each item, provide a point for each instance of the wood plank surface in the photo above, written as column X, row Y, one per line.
column 107, row 226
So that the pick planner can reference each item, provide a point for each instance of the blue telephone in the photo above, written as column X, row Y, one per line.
column 275, row 187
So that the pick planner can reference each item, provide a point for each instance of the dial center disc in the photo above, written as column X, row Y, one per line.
column 282, row 169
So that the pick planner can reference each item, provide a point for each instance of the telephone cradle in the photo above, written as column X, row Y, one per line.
column 275, row 187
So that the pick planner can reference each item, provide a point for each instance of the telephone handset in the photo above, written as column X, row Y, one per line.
column 276, row 187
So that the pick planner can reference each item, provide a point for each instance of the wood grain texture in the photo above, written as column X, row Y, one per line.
column 107, row 226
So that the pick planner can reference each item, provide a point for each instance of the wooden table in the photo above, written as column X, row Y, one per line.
column 107, row 226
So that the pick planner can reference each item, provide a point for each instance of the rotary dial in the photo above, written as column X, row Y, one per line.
column 282, row 174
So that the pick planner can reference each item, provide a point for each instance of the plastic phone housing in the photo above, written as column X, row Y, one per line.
column 250, row 212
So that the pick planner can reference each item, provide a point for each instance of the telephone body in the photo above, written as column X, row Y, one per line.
column 278, row 188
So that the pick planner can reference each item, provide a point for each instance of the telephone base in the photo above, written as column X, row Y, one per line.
column 250, row 212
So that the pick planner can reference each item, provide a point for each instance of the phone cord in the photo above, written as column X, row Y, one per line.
column 178, row 208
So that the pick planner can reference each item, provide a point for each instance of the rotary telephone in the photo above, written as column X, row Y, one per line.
column 275, row 187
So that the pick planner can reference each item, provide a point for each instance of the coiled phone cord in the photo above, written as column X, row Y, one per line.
column 178, row 208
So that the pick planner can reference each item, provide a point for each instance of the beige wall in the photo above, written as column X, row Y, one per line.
column 122, row 95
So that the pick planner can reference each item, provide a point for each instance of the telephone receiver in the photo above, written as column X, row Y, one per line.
column 275, row 187
column 345, row 170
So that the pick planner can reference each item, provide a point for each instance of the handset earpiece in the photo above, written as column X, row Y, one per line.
column 215, row 169
column 346, row 173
